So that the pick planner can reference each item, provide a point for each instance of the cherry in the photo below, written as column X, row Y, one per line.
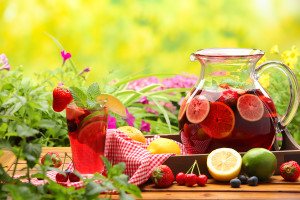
column 190, row 179
column 180, row 178
column 201, row 180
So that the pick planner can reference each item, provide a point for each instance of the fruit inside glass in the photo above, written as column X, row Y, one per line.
column 87, row 134
column 228, row 107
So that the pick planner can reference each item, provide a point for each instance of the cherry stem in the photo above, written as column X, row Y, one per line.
column 198, row 168
column 191, row 167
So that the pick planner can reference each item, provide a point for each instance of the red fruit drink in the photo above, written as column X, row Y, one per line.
column 87, row 133
column 233, row 118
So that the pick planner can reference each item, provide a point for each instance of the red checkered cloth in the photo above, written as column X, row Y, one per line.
column 120, row 148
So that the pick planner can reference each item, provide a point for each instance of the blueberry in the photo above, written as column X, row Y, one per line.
column 252, row 181
column 235, row 183
column 68, row 171
column 72, row 126
column 243, row 179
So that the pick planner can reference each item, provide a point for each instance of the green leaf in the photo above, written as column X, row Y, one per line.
column 32, row 153
column 93, row 91
column 4, row 144
column 124, row 196
column 78, row 94
column 106, row 162
column 214, row 84
column 92, row 104
column 3, row 175
column 93, row 189
column 133, row 189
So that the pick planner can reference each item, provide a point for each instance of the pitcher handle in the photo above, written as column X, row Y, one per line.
column 294, row 89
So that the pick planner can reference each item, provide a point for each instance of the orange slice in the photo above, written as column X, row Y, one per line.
column 113, row 104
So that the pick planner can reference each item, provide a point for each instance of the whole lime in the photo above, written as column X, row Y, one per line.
column 259, row 162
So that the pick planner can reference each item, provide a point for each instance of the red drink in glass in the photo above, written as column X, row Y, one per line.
column 87, row 134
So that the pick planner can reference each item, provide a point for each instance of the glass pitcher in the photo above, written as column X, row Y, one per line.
column 228, row 107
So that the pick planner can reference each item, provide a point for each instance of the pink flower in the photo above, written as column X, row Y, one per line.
column 60, row 83
column 129, row 118
column 279, row 138
column 111, row 122
column 86, row 69
column 4, row 62
column 145, row 126
column 144, row 100
column 65, row 55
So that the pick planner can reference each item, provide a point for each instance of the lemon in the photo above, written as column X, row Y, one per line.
column 224, row 164
column 259, row 162
column 133, row 133
column 113, row 104
column 163, row 145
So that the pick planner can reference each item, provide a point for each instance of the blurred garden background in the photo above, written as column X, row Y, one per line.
column 137, row 37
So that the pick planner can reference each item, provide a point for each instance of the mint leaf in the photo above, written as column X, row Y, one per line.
column 93, row 91
column 78, row 96
column 214, row 84
column 32, row 153
column 92, row 104
column 233, row 83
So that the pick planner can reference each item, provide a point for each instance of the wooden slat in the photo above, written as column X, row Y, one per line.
column 7, row 159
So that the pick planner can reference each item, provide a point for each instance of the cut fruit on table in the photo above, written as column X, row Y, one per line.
column 133, row 133
column 197, row 109
column 224, row 164
column 163, row 145
column 250, row 107
column 113, row 104
column 219, row 122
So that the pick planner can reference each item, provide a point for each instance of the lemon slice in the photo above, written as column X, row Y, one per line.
column 224, row 164
column 113, row 104
column 133, row 133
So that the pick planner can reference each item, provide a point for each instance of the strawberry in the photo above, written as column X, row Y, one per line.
column 61, row 177
column 229, row 97
column 290, row 171
column 73, row 177
column 61, row 98
column 56, row 161
column 162, row 176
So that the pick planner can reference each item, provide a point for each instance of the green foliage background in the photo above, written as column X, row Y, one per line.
column 140, row 36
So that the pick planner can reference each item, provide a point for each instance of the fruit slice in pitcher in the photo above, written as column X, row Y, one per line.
column 219, row 122
column 198, row 109
column 250, row 107
column 182, row 109
column 92, row 131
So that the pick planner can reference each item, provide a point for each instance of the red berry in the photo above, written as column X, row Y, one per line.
column 61, row 98
column 180, row 178
column 56, row 160
column 290, row 171
column 162, row 176
column 190, row 179
column 229, row 97
column 61, row 178
column 201, row 180
column 73, row 177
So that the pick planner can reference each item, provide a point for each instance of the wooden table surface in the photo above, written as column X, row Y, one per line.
column 275, row 188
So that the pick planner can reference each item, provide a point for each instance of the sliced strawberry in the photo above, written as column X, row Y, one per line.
column 229, row 97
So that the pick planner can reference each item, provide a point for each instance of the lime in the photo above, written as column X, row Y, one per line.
column 133, row 133
column 250, row 107
column 163, row 145
column 259, row 162
column 219, row 122
column 224, row 164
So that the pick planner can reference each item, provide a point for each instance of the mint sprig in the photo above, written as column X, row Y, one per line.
column 86, row 100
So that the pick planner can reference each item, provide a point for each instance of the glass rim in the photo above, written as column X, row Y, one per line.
column 229, row 52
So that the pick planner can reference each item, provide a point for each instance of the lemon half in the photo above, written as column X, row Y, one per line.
column 224, row 164
column 113, row 104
